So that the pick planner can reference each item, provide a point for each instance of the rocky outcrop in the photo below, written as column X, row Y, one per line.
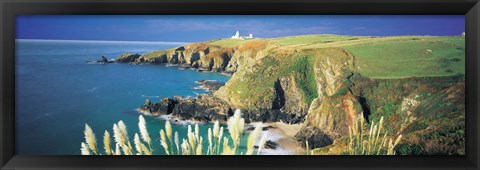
column 206, row 108
column 316, row 137
column 127, row 58
column 289, row 96
column 200, row 56
column 209, row 85
column 330, row 120
column 103, row 60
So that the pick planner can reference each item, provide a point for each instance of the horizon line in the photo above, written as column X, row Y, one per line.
column 106, row 41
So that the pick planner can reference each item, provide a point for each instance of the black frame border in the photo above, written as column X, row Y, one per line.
column 10, row 8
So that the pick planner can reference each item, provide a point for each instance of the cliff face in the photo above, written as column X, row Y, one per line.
column 424, row 110
column 324, row 88
column 198, row 55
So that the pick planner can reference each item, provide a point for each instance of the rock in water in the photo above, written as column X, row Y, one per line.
column 103, row 60
column 209, row 85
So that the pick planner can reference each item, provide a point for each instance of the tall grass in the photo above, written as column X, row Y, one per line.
column 363, row 141
column 376, row 142
column 172, row 145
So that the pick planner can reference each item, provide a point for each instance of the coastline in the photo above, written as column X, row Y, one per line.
column 278, row 132
column 184, row 67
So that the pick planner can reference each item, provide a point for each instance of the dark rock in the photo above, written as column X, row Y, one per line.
column 164, row 107
column 207, row 108
column 270, row 145
column 271, row 115
column 209, row 85
column 316, row 138
column 103, row 60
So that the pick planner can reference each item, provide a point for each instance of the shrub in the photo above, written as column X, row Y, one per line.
column 193, row 145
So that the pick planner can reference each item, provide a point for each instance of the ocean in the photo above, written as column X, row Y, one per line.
column 57, row 93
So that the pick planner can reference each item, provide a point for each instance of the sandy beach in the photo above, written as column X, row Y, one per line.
column 281, row 133
column 284, row 135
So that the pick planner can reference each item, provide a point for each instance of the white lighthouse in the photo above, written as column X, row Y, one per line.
column 237, row 36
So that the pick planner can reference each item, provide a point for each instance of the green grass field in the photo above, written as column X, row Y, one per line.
column 416, row 57
column 229, row 42
column 313, row 39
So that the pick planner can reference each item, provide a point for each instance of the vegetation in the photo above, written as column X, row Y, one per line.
column 192, row 145
column 410, row 58
column 373, row 143
column 157, row 53
column 305, row 78
column 228, row 42
column 358, row 142
column 414, row 82
column 312, row 39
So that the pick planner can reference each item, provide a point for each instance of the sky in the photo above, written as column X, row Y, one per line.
column 191, row 28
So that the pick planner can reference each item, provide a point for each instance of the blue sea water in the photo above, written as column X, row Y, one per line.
column 57, row 93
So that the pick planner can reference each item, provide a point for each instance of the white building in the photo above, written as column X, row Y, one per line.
column 237, row 36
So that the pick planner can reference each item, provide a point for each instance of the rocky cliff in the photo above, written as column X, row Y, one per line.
column 322, row 85
column 198, row 55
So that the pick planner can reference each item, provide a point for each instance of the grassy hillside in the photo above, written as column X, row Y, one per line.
column 416, row 57
column 384, row 57
column 393, row 57
column 415, row 82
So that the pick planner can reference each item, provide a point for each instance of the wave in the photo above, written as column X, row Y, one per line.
column 177, row 121
column 144, row 96
column 92, row 90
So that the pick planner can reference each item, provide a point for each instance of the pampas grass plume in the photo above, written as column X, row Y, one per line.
column 177, row 142
column 84, row 149
column 142, row 125
column 106, row 143
column 90, row 139
column 138, row 144
column 163, row 141
column 262, row 142
column 252, row 139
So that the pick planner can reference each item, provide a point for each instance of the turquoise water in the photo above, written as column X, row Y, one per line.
column 57, row 93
